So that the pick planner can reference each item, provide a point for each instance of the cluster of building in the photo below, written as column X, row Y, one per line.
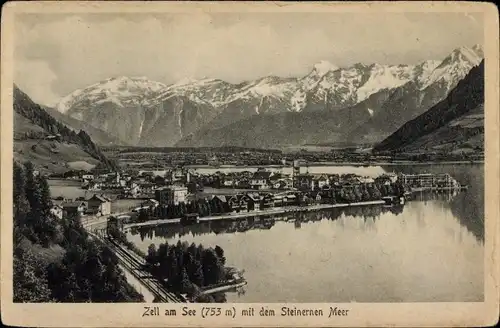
column 247, row 201
column 314, row 188
column 97, row 205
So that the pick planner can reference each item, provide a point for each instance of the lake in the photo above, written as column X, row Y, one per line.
column 430, row 250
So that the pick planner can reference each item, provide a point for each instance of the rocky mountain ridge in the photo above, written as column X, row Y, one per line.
column 143, row 112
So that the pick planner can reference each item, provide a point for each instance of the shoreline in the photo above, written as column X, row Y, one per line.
column 393, row 163
column 244, row 215
column 311, row 164
column 359, row 164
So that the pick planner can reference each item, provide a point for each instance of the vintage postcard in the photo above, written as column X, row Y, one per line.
column 249, row 164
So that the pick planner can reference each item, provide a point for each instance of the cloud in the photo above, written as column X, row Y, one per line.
column 35, row 78
column 73, row 51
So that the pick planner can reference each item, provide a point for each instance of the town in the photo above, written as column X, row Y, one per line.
column 183, row 193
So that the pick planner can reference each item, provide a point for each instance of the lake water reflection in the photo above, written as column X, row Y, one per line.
column 429, row 250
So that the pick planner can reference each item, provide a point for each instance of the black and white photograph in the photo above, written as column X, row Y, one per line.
column 227, row 157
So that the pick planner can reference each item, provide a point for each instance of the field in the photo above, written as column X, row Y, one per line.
column 71, row 190
column 51, row 156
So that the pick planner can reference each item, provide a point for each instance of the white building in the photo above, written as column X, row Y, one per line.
column 57, row 211
column 260, row 180
column 171, row 195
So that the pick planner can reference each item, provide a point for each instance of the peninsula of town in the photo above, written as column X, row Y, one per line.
column 113, row 202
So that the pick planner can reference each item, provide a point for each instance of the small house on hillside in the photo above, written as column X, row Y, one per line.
column 74, row 209
column 57, row 211
column 99, row 205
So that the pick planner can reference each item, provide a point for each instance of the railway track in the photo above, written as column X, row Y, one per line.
column 134, row 264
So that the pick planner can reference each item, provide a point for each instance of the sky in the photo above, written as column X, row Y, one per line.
column 56, row 54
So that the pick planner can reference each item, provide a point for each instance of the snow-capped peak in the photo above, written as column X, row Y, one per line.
column 119, row 90
column 470, row 54
column 478, row 49
column 324, row 67
column 454, row 67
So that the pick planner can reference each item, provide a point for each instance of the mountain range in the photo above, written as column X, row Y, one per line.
column 357, row 104
column 456, row 124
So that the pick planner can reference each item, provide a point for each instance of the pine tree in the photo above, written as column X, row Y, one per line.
column 173, row 268
column 220, row 254
column 151, row 257
column 184, row 280
column 198, row 278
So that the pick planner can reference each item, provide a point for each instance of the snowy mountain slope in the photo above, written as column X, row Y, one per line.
column 415, row 97
column 454, row 123
column 121, row 91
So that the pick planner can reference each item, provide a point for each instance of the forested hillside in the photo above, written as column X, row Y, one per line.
column 98, row 136
column 32, row 122
column 55, row 260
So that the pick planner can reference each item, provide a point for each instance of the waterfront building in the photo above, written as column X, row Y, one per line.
column 220, row 202
column 267, row 201
column 428, row 180
column 253, row 201
column 171, row 195
column 239, row 203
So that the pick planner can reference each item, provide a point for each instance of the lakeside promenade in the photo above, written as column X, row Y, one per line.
column 243, row 215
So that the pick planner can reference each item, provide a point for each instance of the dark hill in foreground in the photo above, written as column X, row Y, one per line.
column 49, row 144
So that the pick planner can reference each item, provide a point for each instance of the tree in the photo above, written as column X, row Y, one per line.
column 21, row 205
column 197, row 275
column 184, row 280
column 172, row 266
column 358, row 196
column 374, row 192
column 365, row 194
column 143, row 215
column 29, row 280
column 212, row 268
column 48, row 231
column 192, row 187
column 152, row 257
column 220, row 254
